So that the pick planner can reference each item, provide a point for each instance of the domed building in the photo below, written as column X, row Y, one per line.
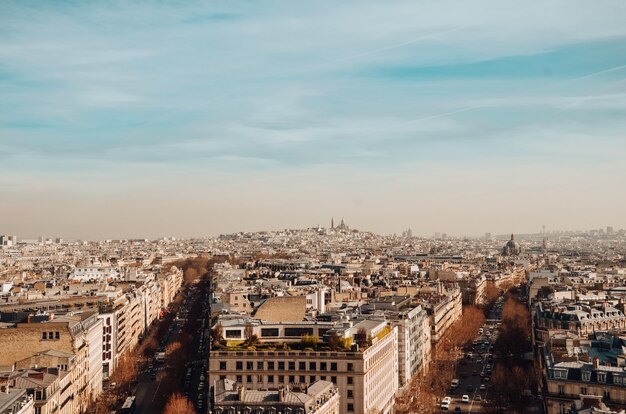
column 511, row 248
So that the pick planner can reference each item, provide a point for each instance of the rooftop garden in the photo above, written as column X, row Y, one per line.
column 307, row 343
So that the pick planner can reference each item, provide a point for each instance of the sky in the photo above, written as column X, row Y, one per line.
column 195, row 118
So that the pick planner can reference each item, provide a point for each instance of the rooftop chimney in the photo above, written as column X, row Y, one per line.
column 282, row 394
column 596, row 363
column 241, row 392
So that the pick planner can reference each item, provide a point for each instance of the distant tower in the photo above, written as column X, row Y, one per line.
column 544, row 246
column 332, row 223
column 543, row 229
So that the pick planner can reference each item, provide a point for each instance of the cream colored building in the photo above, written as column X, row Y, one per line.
column 320, row 397
column 367, row 379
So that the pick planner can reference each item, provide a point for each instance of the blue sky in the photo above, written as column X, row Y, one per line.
column 190, row 118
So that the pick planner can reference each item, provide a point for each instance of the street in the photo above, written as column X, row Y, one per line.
column 474, row 369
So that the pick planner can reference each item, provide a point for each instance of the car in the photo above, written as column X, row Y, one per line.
column 482, row 387
column 477, row 397
column 447, row 400
column 445, row 405
column 465, row 398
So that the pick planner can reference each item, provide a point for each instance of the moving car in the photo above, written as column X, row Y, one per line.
column 465, row 398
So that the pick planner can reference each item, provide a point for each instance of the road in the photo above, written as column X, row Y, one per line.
column 475, row 367
column 147, row 387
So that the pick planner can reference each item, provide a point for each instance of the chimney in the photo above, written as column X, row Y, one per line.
column 282, row 394
column 241, row 392
column 596, row 363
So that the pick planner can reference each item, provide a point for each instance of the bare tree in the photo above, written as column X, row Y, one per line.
column 178, row 404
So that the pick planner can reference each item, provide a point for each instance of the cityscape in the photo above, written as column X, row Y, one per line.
column 321, row 320
column 291, row 207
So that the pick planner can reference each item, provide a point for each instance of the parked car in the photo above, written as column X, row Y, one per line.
column 465, row 398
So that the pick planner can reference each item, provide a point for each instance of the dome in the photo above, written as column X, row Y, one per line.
column 511, row 247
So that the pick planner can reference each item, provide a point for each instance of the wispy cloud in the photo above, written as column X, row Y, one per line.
column 124, row 91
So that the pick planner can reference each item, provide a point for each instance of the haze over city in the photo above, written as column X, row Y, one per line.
column 126, row 119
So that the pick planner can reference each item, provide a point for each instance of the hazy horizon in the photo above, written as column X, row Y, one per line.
column 187, row 119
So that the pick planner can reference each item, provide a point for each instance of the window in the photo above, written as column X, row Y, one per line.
column 586, row 375
column 560, row 373
column 223, row 365
column 350, row 407
column 607, row 395
column 292, row 379
column 281, row 365
column 259, row 379
column 583, row 390
column 44, row 335
column 601, row 376
column 350, row 366
column 323, row 366
column 333, row 366
column 302, row 379
column 312, row 366
column 311, row 379
column 292, row 366
column 350, row 394
column 270, row 365
column 270, row 379
column 57, row 335
column 281, row 378
column 239, row 365
column 350, row 381
column 269, row 332
column 334, row 380
column 233, row 333
column 302, row 366
column 239, row 379
column 248, row 378
column 561, row 389
column 249, row 365
column 259, row 365
column 298, row 331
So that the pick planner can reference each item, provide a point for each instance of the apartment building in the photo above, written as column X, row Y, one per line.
column 444, row 309
column 68, row 395
column 412, row 322
column 79, row 335
column 579, row 317
column 368, row 378
column 14, row 401
column 578, row 366
column 321, row 397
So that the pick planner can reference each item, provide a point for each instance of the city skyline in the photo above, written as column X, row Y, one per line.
column 124, row 120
